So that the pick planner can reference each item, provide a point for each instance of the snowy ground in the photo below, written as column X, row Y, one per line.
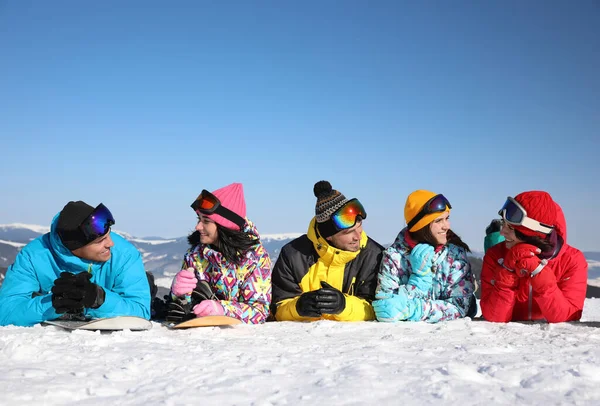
column 462, row 362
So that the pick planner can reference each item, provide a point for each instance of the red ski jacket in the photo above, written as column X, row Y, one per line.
column 556, row 294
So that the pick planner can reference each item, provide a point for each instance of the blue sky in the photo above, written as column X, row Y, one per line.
column 142, row 104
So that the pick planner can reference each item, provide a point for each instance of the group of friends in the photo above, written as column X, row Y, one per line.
column 80, row 269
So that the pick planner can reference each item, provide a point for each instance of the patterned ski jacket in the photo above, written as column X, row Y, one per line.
column 26, row 297
column 557, row 297
column 452, row 287
column 243, row 290
column 306, row 261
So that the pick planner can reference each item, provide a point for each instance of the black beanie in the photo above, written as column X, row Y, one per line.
column 328, row 201
column 69, row 220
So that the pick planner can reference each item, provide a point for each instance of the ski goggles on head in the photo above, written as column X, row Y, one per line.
column 97, row 223
column 516, row 215
column 207, row 203
column 347, row 216
column 437, row 204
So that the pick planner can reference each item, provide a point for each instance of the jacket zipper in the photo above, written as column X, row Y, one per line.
column 351, row 290
column 530, row 301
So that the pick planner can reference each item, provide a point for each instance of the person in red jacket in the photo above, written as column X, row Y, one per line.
column 534, row 274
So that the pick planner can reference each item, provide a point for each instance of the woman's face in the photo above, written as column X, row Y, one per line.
column 208, row 230
column 509, row 235
column 439, row 228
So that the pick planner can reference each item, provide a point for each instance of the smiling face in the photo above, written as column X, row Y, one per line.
column 349, row 239
column 439, row 228
column 97, row 251
column 508, row 232
column 209, row 234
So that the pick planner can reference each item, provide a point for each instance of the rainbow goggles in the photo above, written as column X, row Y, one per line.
column 437, row 204
column 207, row 203
column 515, row 214
column 97, row 223
column 348, row 215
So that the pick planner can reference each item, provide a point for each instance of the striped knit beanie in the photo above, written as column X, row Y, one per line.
column 328, row 201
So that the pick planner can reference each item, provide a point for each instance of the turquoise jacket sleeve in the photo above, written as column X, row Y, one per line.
column 17, row 304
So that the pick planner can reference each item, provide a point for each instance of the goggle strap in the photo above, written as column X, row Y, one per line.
column 227, row 214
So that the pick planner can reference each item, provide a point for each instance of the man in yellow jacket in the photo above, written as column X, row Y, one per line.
column 331, row 271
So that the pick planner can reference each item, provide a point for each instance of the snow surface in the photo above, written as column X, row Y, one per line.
column 462, row 362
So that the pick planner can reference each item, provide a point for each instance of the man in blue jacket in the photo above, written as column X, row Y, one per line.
column 79, row 268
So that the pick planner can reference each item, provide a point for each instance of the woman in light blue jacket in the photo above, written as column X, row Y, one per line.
column 79, row 267
column 425, row 274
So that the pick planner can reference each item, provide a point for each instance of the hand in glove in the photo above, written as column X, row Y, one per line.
column 209, row 308
column 185, row 281
column 421, row 261
column 494, row 227
column 73, row 293
column 306, row 306
column 330, row 300
column 396, row 307
column 522, row 259
column 505, row 278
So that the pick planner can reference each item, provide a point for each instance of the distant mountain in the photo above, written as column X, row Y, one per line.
column 163, row 256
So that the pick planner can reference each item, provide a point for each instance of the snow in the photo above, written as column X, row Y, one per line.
column 32, row 227
column 151, row 242
column 460, row 362
column 279, row 237
column 14, row 244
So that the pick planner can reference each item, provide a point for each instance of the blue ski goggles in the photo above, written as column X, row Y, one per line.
column 97, row 223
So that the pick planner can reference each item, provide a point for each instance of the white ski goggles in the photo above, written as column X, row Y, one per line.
column 515, row 214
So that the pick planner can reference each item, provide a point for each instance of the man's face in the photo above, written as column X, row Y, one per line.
column 347, row 240
column 97, row 251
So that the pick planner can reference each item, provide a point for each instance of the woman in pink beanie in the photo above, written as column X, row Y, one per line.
column 227, row 270
column 534, row 274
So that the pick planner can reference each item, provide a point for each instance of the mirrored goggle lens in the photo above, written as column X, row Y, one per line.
column 206, row 202
column 439, row 204
column 346, row 216
column 511, row 212
column 98, row 223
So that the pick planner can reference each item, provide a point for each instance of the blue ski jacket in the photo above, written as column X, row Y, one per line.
column 26, row 297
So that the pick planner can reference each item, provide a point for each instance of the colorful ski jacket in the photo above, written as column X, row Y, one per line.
column 26, row 297
column 453, row 285
column 308, row 260
column 243, row 290
column 556, row 294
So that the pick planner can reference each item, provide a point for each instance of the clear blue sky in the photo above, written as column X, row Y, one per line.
column 142, row 104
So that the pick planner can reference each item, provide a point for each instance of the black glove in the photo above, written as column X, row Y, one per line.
column 495, row 226
column 330, row 300
column 72, row 293
column 201, row 292
column 179, row 310
column 306, row 306
column 327, row 300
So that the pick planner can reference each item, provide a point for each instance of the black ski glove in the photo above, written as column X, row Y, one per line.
column 330, row 300
column 306, row 306
column 72, row 293
column 179, row 310
column 494, row 227
column 201, row 292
